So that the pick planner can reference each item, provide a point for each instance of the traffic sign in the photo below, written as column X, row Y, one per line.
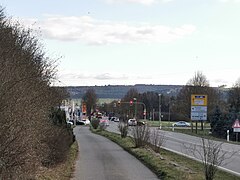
column 202, row 116
column 198, row 107
column 198, row 100
column 236, row 126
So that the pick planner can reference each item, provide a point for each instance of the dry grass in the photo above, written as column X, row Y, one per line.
column 62, row 171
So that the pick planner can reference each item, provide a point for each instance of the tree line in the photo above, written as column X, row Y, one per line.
column 222, row 112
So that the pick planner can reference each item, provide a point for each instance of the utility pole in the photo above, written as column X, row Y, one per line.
column 135, row 99
column 160, row 113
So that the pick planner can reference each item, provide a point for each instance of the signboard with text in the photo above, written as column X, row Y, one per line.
column 198, row 107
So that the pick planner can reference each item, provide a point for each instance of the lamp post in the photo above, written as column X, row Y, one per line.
column 169, row 113
column 160, row 113
column 135, row 99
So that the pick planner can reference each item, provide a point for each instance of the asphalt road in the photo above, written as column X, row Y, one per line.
column 181, row 143
column 101, row 159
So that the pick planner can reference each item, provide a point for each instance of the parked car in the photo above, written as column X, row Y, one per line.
column 115, row 119
column 70, row 122
column 181, row 124
column 104, row 121
column 112, row 118
column 82, row 122
column 132, row 122
column 141, row 123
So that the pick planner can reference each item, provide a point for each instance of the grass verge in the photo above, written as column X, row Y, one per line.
column 62, row 171
column 166, row 165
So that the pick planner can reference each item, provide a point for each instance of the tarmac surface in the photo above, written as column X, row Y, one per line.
column 101, row 159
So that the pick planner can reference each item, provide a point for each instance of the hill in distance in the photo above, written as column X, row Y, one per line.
column 119, row 91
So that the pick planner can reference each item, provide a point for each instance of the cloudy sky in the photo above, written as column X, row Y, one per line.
column 127, row 42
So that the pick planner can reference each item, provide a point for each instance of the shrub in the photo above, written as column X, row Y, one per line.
column 123, row 128
column 157, row 140
column 95, row 123
column 141, row 135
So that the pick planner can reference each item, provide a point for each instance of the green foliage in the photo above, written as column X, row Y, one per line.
column 220, row 123
column 217, row 123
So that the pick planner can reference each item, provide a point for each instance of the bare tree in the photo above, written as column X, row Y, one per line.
column 157, row 139
column 199, row 79
column 123, row 128
column 141, row 135
column 211, row 155
column 197, row 85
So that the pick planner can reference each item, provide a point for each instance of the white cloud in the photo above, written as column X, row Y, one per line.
column 73, row 77
column 144, row 2
column 97, row 32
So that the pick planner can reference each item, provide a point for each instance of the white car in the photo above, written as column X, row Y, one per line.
column 181, row 124
column 132, row 122
column 83, row 122
column 70, row 122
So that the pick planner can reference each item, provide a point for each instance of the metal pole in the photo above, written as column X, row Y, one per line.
column 169, row 115
column 160, row 113
column 135, row 99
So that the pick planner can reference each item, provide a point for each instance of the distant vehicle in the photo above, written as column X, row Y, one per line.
column 141, row 123
column 181, row 124
column 132, row 122
column 82, row 122
column 104, row 121
column 115, row 119
column 99, row 115
column 70, row 122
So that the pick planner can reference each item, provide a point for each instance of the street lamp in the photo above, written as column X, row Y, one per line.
column 135, row 99
column 160, row 113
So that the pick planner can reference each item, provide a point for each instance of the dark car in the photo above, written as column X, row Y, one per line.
column 141, row 123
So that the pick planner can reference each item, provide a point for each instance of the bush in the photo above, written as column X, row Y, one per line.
column 123, row 128
column 157, row 140
column 141, row 135
column 95, row 123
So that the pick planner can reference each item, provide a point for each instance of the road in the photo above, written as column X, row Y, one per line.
column 177, row 142
column 101, row 159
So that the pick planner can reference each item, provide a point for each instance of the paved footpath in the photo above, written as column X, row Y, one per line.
column 102, row 159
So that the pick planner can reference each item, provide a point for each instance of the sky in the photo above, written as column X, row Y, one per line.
column 128, row 42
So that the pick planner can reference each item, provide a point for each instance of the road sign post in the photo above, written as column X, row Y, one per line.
column 236, row 128
column 198, row 108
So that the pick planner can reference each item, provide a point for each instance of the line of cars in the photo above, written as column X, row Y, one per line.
column 79, row 122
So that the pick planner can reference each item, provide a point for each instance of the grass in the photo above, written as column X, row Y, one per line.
column 166, row 165
column 62, row 171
